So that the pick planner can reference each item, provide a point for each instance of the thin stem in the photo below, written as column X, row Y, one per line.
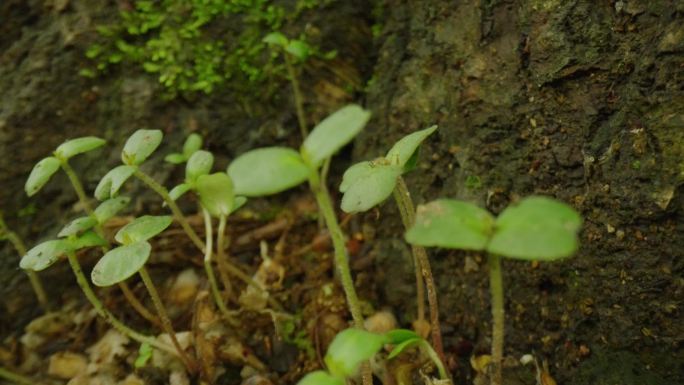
column 210, row 270
column 104, row 313
column 221, row 256
column 137, row 305
column 324, row 183
column 341, row 259
column 19, row 246
column 15, row 378
column 190, row 364
column 403, row 198
column 496, row 289
column 78, row 187
column 299, row 100
column 436, row 360
column 178, row 215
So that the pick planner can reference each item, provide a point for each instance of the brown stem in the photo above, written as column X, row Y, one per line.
column 496, row 289
column 137, row 305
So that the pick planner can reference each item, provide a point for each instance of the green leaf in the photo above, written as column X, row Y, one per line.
column 144, row 355
column 320, row 377
column 175, row 158
column 370, row 188
column 398, row 336
column 140, row 146
column 267, row 171
column 333, row 133
column 239, row 202
column 451, row 224
column 216, row 193
column 399, row 348
column 44, row 255
column 41, row 174
column 179, row 191
column 111, row 183
column 200, row 163
column 276, row 38
column 351, row 347
column 192, row 144
column 109, row 208
column 120, row 263
column 77, row 226
column 537, row 228
column 78, row 146
column 298, row 49
column 143, row 228
column 403, row 150
column 87, row 239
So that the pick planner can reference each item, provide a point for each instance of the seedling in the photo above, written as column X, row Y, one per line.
column 537, row 228
column 120, row 263
column 36, row 284
column 351, row 347
column 79, row 235
column 367, row 184
column 43, row 171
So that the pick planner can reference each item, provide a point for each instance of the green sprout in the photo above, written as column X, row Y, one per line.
column 367, row 184
column 36, row 284
column 351, row 347
column 192, row 144
column 537, row 228
column 43, row 171
column 122, row 262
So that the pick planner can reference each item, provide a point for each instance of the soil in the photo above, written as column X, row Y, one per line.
column 580, row 101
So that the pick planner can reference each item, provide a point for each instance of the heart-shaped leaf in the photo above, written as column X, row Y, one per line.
column 216, row 193
column 451, row 224
column 120, row 263
column 276, row 38
column 78, row 146
column 537, row 228
column 109, row 208
column 77, row 226
column 44, row 255
column 142, row 229
column 200, row 163
column 371, row 187
column 112, row 181
column 192, row 144
column 179, row 191
column 349, row 348
column 333, row 133
column 87, row 239
column 41, row 174
column 267, row 171
column 320, row 377
column 403, row 150
column 140, row 146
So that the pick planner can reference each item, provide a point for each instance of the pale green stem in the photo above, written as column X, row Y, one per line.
column 80, row 192
column 496, row 289
column 408, row 213
column 221, row 256
column 104, row 313
column 443, row 374
column 190, row 364
column 341, row 259
column 210, row 270
column 19, row 246
column 178, row 215
column 15, row 378
column 299, row 100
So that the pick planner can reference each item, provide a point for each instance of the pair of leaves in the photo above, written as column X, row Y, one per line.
column 43, row 170
column 297, row 48
column 367, row 184
column 120, row 263
column 271, row 170
column 192, row 144
column 199, row 164
column 537, row 228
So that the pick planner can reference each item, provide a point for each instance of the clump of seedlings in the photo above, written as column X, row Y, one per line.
column 351, row 347
column 367, row 184
column 536, row 228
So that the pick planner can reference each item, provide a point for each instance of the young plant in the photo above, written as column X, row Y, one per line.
column 36, row 284
column 351, row 347
column 537, row 228
column 43, row 171
column 120, row 263
column 367, row 184
column 79, row 235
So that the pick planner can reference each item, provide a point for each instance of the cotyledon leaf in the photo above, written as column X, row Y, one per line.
column 41, row 174
column 143, row 228
column 78, row 146
column 120, row 263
